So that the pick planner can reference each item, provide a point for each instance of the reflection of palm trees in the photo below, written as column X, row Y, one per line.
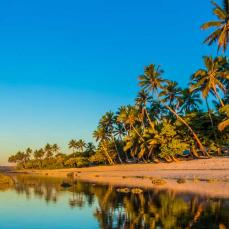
column 77, row 199
column 157, row 210
column 149, row 209
column 41, row 187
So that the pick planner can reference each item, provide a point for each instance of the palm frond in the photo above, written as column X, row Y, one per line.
column 213, row 37
column 211, row 24
column 220, row 13
column 216, row 5
column 226, row 5
column 223, row 125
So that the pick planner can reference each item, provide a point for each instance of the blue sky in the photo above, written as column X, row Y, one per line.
column 64, row 63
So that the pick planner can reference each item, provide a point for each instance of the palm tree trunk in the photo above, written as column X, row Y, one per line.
column 150, row 121
column 108, row 156
column 218, row 97
column 210, row 117
column 116, row 148
column 137, row 133
column 189, row 127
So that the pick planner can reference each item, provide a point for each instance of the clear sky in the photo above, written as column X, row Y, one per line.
column 64, row 63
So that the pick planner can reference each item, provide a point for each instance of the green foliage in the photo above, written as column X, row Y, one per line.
column 171, row 144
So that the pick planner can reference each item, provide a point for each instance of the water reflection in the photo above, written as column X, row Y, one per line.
column 149, row 209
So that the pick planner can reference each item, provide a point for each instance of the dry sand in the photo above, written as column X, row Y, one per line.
column 203, row 176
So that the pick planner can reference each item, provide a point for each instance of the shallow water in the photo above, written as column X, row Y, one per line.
column 41, row 202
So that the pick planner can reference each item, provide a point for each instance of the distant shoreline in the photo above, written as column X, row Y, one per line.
column 205, row 176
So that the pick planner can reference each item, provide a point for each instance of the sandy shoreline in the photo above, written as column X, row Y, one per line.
column 205, row 176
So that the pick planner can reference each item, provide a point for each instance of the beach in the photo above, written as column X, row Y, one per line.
column 202, row 176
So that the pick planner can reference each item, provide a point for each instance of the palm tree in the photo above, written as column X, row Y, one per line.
column 190, row 101
column 107, row 123
column 72, row 145
column 129, row 116
column 221, row 34
column 151, row 86
column 48, row 150
column 141, row 102
column 171, row 93
column 90, row 149
column 151, row 80
column 38, row 155
column 55, row 148
column 210, row 78
column 119, row 130
column 28, row 153
column 157, row 110
column 81, row 144
column 100, row 135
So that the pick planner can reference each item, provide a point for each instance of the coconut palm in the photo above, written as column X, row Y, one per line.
column 157, row 110
column 190, row 101
column 119, row 130
column 81, row 144
column 151, row 80
column 55, row 148
column 48, row 151
column 28, row 153
column 171, row 93
column 129, row 116
column 72, row 145
column 155, row 88
column 210, row 78
column 90, row 149
column 100, row 136
column 221, row 34
column 141, row 103
column 107, row 123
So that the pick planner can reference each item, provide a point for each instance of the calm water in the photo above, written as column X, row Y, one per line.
column 42, row 203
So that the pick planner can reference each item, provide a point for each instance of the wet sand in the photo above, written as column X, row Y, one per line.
column 202, row 176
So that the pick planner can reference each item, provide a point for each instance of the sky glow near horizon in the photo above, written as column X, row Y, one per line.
column 64, row 63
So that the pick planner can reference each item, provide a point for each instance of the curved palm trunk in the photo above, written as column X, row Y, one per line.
column 149, row 119
column 116, row 148
column 218, row 97
column 210, row 117
column 137, row 133
column 108, row 155
column 189, row 127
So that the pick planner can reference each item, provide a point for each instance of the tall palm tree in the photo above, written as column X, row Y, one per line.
column 210, row 78
column 190, row 101
column 221, row 34
column 48, row 150
column 100, row 136
column 55, row 148
column 108, row 122
column 171, row 93
column 157, row 110
column 151, row 86
column 141, row 102
column 72, row 145
column 90, row 149
column 38, row 155
column 151, row 80
column 119, row 130
column 129, row 116
column 81, row 144
column 28, row 153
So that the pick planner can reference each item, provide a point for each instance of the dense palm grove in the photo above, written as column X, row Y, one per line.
column 166, row 122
